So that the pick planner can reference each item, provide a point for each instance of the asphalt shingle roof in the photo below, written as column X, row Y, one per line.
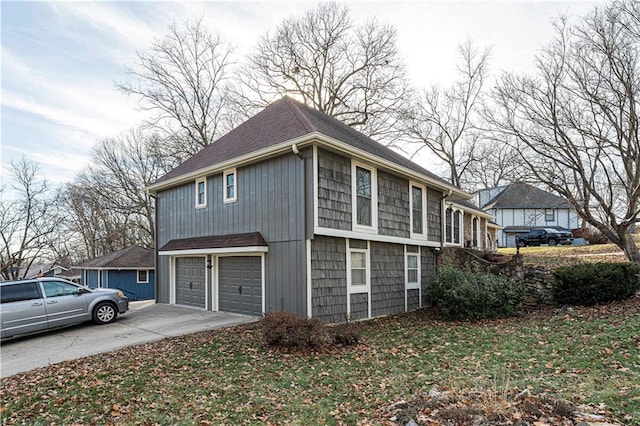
column 251, row 239
column 281, row 121
column 130, row 257
column 522, row 195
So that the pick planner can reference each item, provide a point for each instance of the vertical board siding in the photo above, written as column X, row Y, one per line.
column 393, row 205
column 387, row 278
column 434, row 215
column 334, row 191
column 270, row 201
column 285, row 280
column 329, row 279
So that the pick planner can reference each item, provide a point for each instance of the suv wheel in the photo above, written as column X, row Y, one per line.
column 552, row 242
column 104, row 313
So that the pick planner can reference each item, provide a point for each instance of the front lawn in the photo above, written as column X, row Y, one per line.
column 589, row 356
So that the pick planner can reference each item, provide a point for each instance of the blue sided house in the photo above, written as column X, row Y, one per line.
column 131, row 270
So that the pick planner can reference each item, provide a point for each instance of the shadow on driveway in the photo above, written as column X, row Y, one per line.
column 144, row 322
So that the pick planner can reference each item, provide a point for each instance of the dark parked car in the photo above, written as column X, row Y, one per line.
column 550, row 236
column 40, row 304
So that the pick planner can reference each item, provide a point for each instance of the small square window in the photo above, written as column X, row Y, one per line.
column 229, row 188
column 143, row 276
column 549, row 215
column 201, row 192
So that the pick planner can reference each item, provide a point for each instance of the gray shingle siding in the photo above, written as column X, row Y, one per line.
column 413, row 299
column 428, row 273
column 359, row 306
column 329, row 279
column 334, row 191
column 434, row 215
column 393, row 205
column 387, row 278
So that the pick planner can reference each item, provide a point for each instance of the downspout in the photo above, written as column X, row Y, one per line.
column 155, row 243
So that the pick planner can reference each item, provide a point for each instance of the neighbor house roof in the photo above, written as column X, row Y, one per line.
column 278, row 126
column 252, row 239
column 522, row 195
column 134, row 257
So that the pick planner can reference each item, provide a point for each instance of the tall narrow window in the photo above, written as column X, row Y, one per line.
column 449, row 225
column 475, row 229
column 201, row 192
column 456, row 227
column 363, row 197
column 416, row 210
column 358, row 268
column 412, row 269
column 229, row 188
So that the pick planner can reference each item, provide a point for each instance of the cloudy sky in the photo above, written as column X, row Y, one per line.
column 60, row 59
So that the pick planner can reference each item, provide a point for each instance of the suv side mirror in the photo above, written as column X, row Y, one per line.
column 82, row 290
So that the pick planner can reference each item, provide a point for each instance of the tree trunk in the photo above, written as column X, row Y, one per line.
column 630, row 249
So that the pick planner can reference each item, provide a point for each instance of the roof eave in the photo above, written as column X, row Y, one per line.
column 301, row 141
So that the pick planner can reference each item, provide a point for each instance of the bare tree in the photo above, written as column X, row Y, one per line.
column 183, row 79
column 350, row 72
column 29, row 217
column 497, row 164
column 110, row 209
column 576, row 120
column 445, row 121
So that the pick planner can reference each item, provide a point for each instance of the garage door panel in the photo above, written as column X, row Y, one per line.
column 190, row 281
column 240, row 284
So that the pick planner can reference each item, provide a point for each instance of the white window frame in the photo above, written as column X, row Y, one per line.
column 374, row 198
column 460, row 232
column 475, row 234
column 424, row 210
column 202, row 180
column 412, row 286
column 409, row 285
column 358, row 288
column 235, row 186
column 138, row 281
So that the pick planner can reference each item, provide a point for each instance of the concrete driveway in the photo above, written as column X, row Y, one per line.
column 144, row 322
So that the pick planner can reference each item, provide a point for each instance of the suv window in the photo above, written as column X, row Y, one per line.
column 20, row 292
column 59, row 288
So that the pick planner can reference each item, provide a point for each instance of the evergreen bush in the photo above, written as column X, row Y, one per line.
column 467, row 295
column 591, row 283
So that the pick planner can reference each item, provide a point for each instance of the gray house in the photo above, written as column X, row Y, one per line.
column 519, row 207
column 295, row 211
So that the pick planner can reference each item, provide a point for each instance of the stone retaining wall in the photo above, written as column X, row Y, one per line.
column 537, row 281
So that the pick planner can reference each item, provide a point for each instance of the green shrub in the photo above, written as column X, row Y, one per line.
column 467, row 295
column 591, row 283
column 287, row 331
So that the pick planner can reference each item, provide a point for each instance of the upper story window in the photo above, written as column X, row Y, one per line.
column 229, row 187
column 365, row 197
column 549, row 215
column 418, row 209
column 201, row 192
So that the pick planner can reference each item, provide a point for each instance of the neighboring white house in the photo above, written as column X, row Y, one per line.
column 519, row 207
